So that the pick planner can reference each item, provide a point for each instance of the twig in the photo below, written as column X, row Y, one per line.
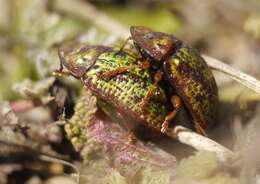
column 64, row 162
column 87, row 11
column 235, row 74
column 200, row 142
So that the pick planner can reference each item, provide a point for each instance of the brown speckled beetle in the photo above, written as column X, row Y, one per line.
column 182, row 68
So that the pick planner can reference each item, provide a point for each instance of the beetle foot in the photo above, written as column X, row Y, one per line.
column 132, row 138
column 165, row 126
column 60, row 73
column 176, row 103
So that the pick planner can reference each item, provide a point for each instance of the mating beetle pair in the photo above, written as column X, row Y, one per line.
column 179, row 66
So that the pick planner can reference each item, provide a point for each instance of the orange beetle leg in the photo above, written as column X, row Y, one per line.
column 150, row 93
column 60, row 72
column 176, row 102
column 112, row 73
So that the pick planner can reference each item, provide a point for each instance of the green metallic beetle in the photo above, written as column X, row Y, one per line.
column 125, row 91
column 183, row 69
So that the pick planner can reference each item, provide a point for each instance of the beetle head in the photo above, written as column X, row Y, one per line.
column 79, row 57
column 156, row 45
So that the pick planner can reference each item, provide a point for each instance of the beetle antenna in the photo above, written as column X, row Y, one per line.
column 124, row 44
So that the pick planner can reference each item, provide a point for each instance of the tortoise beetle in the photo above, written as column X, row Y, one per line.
column 183, row 69
column 125, row 90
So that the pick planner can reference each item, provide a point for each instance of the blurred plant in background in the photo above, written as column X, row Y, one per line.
column 31, row 32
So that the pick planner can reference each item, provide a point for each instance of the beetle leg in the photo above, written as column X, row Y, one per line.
column 60, row 72
column 176, row 103
column 131, row 138
column 146, row 99
column 124, row 44
column 112, row 73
